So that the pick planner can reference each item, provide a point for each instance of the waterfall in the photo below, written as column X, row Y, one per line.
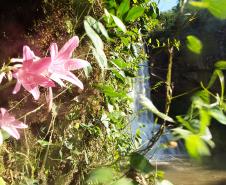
column 144, row 120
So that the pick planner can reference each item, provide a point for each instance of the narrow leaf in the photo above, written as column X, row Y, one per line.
column 98, row 26
column 123, row 7
column 148, row 104
column 119, row 23
column 100, row 58
column 96, row 40
column 218, row 115
column 135, row 13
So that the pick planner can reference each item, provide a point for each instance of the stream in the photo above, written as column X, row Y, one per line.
column 175, row 163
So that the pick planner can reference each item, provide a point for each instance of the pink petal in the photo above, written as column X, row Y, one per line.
column 3, row 111
column 1, row 76
column 39, row 66
column 50, row 99
column 12, row 131
column 57, row 79
column 27, row 53
column 68, row 48
column 73, row 64
column 35, row 92
column 53, row 50
column 29, row 81
column 70, row 77
column 17, row 87
column 19, row 124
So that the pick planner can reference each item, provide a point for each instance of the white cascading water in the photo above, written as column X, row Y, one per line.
column 143, row 119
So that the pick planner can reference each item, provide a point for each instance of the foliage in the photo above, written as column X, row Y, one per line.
column 85, row 137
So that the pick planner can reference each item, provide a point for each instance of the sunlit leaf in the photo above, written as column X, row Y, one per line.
column 194, row 44
column 164, row 182
column 100, row 58
column 204, row 120
column 2, row 182
column 148, row 104
column 220, row 75
column 123, row 181
column 120, row 63
column 98, row 26
column 199, row 4
column 87, row 70
column 182, row 132
column 119, row 23
column 101, row 175
column 216, row 7
column 44, row 143
column 185, row 123
column 196, row 147
column 140, row 163
column 221, row 64
column 218, row 115
column 135, row 13
column 111, row 92
column 212, row 79
column 123, row 7
column 96, row 40
column 119, row 74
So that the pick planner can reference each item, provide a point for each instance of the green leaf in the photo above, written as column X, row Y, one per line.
column 164, row 182
column 140, row 163
column 87, row 70
column 194, row 44
column 216, row 7
column 212, row 79
column 110, row 91
column 120, row 63
column 119, row 74
column 148, row 104
column 221, row 64
column 96, row 40
column 218, row 115
column 44, row 143
column 119, row 23
column 204, row 121
column 123, row 7
column 98, row 26
column 199, row 4
column 123, row 181
column 135, row 13
column 2, row 182
column 184, row 133
column 101, row 176
column 196, row 147
column 100, row 58
column 185, row 123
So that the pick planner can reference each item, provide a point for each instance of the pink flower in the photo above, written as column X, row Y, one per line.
column 31, row 75
column 9, row 124
column 62, row 63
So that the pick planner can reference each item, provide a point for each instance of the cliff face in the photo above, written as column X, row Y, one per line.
column 189, row 69
column 16, row 20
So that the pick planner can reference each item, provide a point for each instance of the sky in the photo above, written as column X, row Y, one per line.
column 165, row 5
